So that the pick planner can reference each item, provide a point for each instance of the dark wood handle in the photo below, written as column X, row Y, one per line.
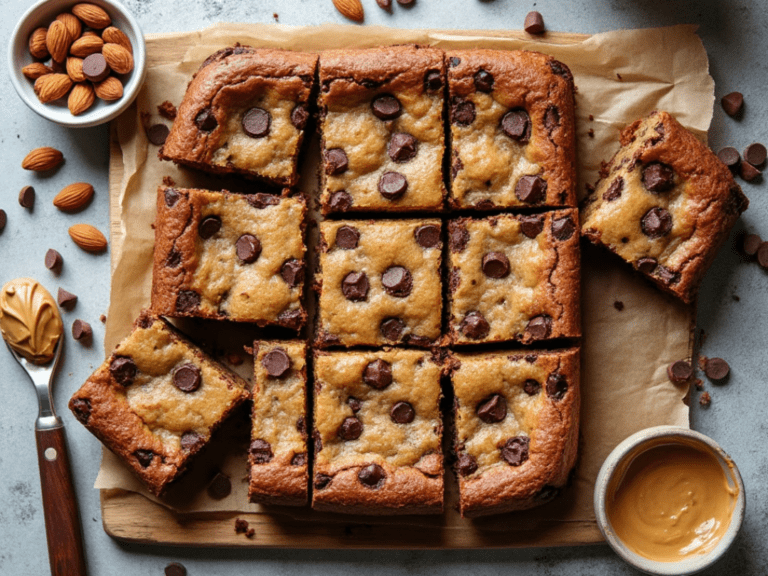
column 62, row 520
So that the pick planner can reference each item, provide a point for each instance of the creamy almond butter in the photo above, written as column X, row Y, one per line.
column 29, row 320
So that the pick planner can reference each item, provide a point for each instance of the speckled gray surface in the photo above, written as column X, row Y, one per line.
column 732, row 305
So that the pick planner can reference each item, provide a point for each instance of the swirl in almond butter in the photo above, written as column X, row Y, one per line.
column 29, row 320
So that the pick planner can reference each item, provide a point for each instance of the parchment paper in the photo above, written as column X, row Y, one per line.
column 620, row 76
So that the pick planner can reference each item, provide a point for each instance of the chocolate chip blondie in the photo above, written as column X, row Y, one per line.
column 279, row 466
column 516, row 426
column 377, row 433
column 381, row 127
column 665, row 203
column 245, row 111
column 379, row 283
column 512, row 130
column 229, row 256
column 514, row 278
column 156, row 401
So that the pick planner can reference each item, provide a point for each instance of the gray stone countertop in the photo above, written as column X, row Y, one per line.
column 732, row 305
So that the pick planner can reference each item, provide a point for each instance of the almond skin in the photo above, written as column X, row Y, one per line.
column 75, row 69
column 35, row 70
column 58, row 40
column 73, row 197
column 114, row 35
column 74, row 27
column 93, row 16
column 109, row 89
column 52, row 87
column 88, row 238
column 86, row 45
column 37, row 46
column 351, row 9
column 40, row 159
column 81, row 98
column 118, row 58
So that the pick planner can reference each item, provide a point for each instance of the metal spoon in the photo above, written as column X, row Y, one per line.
column 62, row 520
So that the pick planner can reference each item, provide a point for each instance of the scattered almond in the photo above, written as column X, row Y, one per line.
column 35, row 70
column 114, row 35
column 37, row 46
column 88, row 237
column 57, row 40
column 44, row 158
column 81, row 98
column 93, row 16
column 52, row 87
column 351, row 9
column 73, row 197
column 74, row 27
column 118, row 58
column 75, row 69
column 109, row 89
column 86, row 45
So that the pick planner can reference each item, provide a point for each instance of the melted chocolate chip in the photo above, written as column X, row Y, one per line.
column 256, row 123
column 187, row 300
column 386, row 107
column 483, row 81
column 454, row 61
column 466, row 464
column 515, row 450
column 372, row 476
column 347, row 237
column 493, row 409
column 354, row 404
column 614, row 190
column 392, row 328
column 144, row 457
column 495, row 265
column 458, row 237
column 647, row 265
column 402, row 413
column 531, row 189
column 657, row 222
column 397, row 281
column 402, row 147
column 248, row 248
column 174, row 259
column 427, row 236
column 187, row 378
column 658, row 177
column 392, row 185
column 531, row 225
column 209, row 226
column 299, row 459
column 539, row 327
column 336, row 161
column 462, row 111
column 557, row 386
column 517, row 125
column 205, row 120
column 454, row 281
column 276, row 362
column 563, row 228
column 351, row 428
column 355, row 286
column 123, row 370
column 322, row 481
column 433, row 81
column 291, row 318
column 301, row 426
column 299, row 116
column 551, row 118
column 260, row 451
column 292, row 271
column 261, row 200
column 340, row 201
column 191, row 441
column 531, row 387
column 666, row 275
column 378, row 374
column 81, row 408
column 475, row 326
column 171, row 197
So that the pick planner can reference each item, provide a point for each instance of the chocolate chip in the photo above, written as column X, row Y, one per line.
column 462, row 111
column 531, row 189
column 355, row 286
column 531, row 387
column 552, row 120
column 716, row 368
column 475, row 326
column 260, row 451
column 427, row 236
column 354, row 404
column 81, row 330
column 749, row 172
column 392, row 328
column 299, row 459
column 220, row 487
column 557, row 386
column 392, row 185
column 517, row 125
column 208, row 227
column 458, row 237
column 397, row 281
column 157, row 133
column 751, row 244
column 144, row 457
column 378, row 374
column 95, row 68
column 292, row 272
column 205, row 120
column 493, row 409
column 730, row 157
column 658, row 177
column 531, row 225
column 301, row 426
column 171, row 197
column 299, row 116
column 466, row 464
column 755, row 154
column 456, row 165
column 515, row 450
column 454, row 61
column 563, row 228
column 291, row 318
column 539, row 327
column 262, row 200
column 248, row 248
column 351, row 428
column 276, row 363
column 386, row 107
column 402, row 147
column 340, row 201
column 483, row 81
column 187, row 378
column 534, row 23
column 372, row 476
column 3, row 219
column 53, row 261
column 680, row 372
column 733, row 103
column 321, row 481
column 614, row 190
column 81, row 408
column 656, row 223
column 495, row 265
column 175, row 569
column 666, row 275
column 646, row 265
column 256, row 123
column 27, row 197
column 174, row 259
column 187, row 300
column 402, row 413
column 336, row 161
column 123, row 370
column 433, row 81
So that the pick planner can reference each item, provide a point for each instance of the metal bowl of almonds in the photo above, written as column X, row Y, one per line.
column 78, row 64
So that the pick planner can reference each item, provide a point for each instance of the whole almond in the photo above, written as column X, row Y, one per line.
column 88, row 237
column 74, row 27
column 89, row 33
column 109, row 89
column 93, row 16
column 40, row 159
column 351, row 9
column 75, row 69
column 73, row 197
column 58, row 40
column 35, row 70
column 81, row 98
column 114, row 35
column 118, row 58
column 52, row 87
column 86, row 45
column 37, row 46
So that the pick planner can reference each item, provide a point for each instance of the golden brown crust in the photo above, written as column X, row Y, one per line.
column 704, row 203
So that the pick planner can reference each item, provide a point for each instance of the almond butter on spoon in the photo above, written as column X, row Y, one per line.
column 29, row 320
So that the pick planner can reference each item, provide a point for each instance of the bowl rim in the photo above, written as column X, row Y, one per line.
column 648, row 438
column 131, row 88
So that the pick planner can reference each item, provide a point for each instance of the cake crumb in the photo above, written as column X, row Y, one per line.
column 276, row 16
column 167, row 110
column 241, row 526
column 234, row 358
column 735, row 298
column 168, row 181
column 705, row 399
column 619, row 305
column 591, row 133
column 103, row 319
column 699, row 383
column 702, row 362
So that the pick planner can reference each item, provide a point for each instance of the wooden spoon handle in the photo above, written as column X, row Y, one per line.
column 62, row 521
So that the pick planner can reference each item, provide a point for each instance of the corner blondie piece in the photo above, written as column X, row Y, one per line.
column 229, row 256
column 245, row 111
column 381, row 127
column 279, row 467
column 513, row 135
column 377, row 433
column 379, row 283
column 517, row 428
column 156, row 401
column 514, row 278
column 665, row 204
